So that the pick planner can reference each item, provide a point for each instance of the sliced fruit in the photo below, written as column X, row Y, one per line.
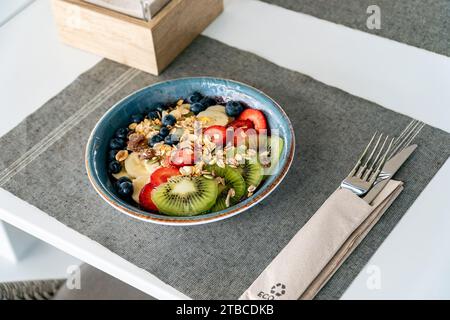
column 220, row 203
column 161, row 175
column 218, row 134
column 275, row 145
column 233, row 179
column 252, row 172
column 246, row 124
column 151, row 166
column 185, row 196
column 135, row 166
column 242, row 131
column 145, row 198
column 212, row 118
column 181, row 157
column 217, row 108
column 138, row 184
column 256, row 116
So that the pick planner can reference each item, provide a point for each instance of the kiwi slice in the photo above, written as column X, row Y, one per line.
column 220, row 203
column 275, row 146
column 185, row 196
column 233, row 179
column 252, row 172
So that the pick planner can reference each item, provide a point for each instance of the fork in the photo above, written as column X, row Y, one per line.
column 368, row 169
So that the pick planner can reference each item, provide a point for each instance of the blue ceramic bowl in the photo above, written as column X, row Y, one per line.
column 170, row 91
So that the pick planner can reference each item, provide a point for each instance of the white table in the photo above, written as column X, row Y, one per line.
column 414, row 260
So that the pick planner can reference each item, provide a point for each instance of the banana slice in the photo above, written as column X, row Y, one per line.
column 151, row 166
column 213, row 118
column 122, row 173
column 135, row 166
column 217, row 108
column 138, row 184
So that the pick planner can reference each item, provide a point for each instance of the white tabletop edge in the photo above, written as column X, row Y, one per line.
column 36, row 222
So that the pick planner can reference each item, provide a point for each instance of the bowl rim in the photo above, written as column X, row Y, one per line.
column 199, row 219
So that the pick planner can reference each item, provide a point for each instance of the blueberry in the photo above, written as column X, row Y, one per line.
column 171, row 139
column 169, row 120
column 125, row 189
column 122, row 133
column 112, row 155
column 195, row 97
column 160, row 107
column 114, row 166
column 233, row 108
column 208, row 101
column 122, row 179
column 155, row 139
column 117, row 143
column 164, row 131
column 153, row 115
column 197, row 107
column 136, row 118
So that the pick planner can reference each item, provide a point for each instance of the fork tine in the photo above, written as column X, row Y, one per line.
column 406, row 137
column 375, row 175
column 362, row 170
column 373, row 151
column 358, row 163
column 374, row 163
column 414, row 135
column 410, row 132
column 405, row 131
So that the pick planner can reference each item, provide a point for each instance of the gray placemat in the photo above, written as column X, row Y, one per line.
column 420, row 23
column 218, row 260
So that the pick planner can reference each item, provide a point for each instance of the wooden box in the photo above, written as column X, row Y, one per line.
column 146, row 45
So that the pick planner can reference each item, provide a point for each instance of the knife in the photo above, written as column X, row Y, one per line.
column 389, row 169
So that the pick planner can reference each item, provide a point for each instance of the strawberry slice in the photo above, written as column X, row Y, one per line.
column 158, row 177
column 218, row 134
column 256, row 117
column 161, row 175
column 245, row 124
column 145, row 198
column 181, row 158
column 242, row 130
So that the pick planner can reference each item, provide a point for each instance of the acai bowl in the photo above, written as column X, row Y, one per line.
column 190, row 151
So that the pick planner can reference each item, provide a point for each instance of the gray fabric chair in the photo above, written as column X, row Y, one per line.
column 30, row 290
column 95, row 285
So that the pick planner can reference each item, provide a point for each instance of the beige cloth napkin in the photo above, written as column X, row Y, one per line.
column 309, row 260
column 133, row 8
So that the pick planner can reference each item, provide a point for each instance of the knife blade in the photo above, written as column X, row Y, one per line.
column 389, row 169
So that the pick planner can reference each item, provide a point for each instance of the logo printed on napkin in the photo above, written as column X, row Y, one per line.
column 276, row 291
